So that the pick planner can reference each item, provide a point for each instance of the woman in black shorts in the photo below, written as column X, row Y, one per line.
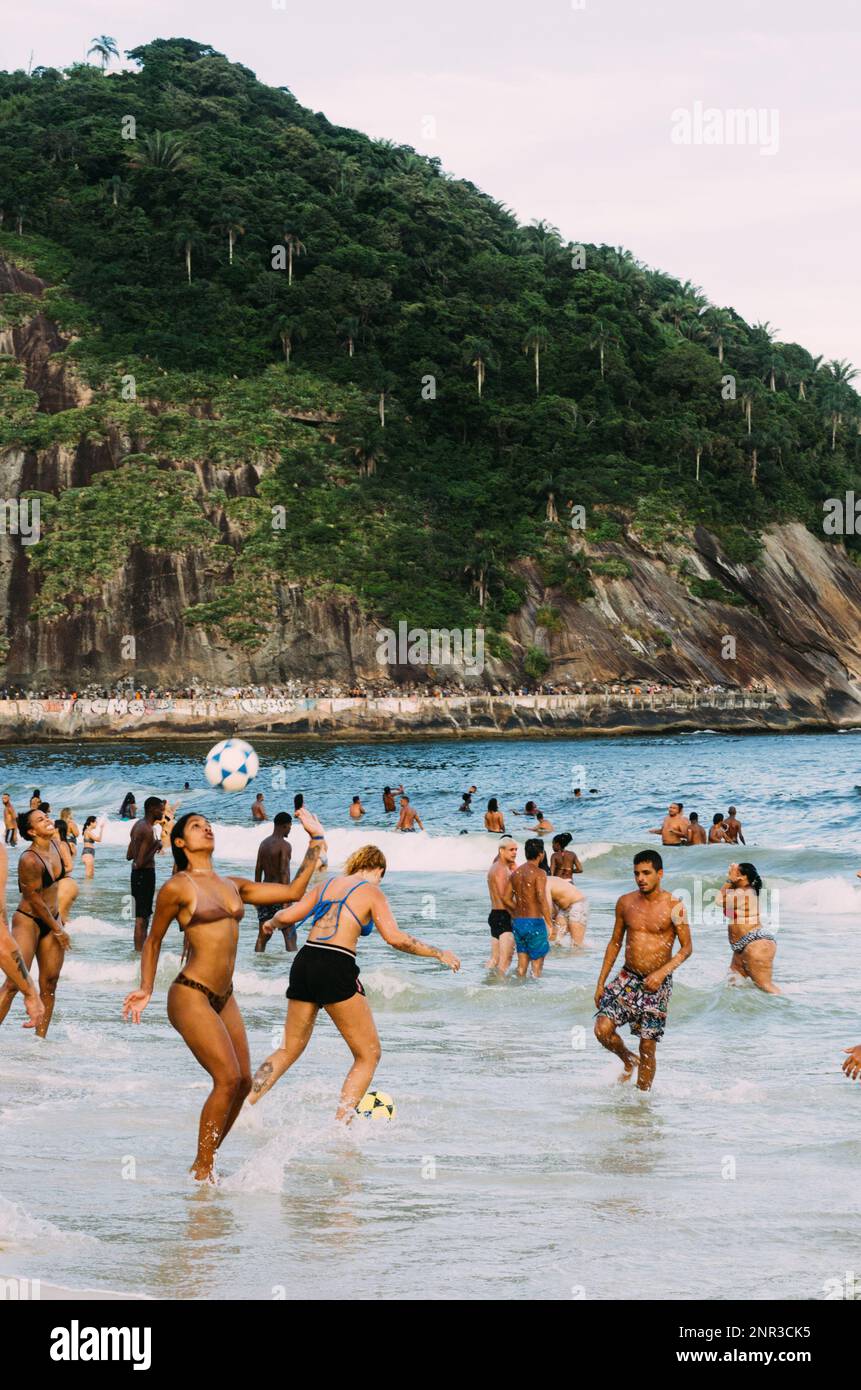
column 325, row 975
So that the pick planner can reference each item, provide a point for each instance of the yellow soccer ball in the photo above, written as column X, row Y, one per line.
column 376, row 1105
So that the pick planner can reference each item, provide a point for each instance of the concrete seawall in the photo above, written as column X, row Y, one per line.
column 38, row 721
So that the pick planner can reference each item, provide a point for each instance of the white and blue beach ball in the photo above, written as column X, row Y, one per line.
column 231, row 765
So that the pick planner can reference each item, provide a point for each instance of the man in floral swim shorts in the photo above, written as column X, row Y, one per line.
column 640, row 993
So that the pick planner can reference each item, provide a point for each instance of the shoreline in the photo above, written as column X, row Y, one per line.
column 403, row 718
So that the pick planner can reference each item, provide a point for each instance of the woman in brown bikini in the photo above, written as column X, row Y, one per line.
column 200, row 1002
column 37, row 924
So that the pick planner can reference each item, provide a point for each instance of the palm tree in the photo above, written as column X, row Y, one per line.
column 19, row 218
column 602, row 338
column 289, row 333
column 161, row 150
column 186, row 241
column 105, row 48
column 838, row 397
column 295, row 247
column 536, row 342
column 480, row 355
column 386, row 381
column 351, row 329
column 805, row 374
column 119, row 190
column 720, row 328
column 229, row 224
column 347, row 168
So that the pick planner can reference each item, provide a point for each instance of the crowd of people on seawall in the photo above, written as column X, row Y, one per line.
column 338, row 690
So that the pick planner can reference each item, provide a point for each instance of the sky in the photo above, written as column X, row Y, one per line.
column 612, row 119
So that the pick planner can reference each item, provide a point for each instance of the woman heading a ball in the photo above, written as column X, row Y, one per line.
column 200, row 1002
column 324, row 974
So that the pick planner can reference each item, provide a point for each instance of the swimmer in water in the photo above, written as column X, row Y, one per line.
column 408, row 819
column 717, row 833
column 648, row 922
column 357, row 810
column 9, row 820
column 753, row 947
column 389, row 794
column 528, row 902
column 91, row 836
column 37, row 926
column 732, row 826
column 258, row 810
column 493, row 819
column 200, row 1002
column 675, row 828
column 325, row 974
column 542, row 825
column 499, row 920
column 563, row 861
column 696, row 833
column 530, row 809
column 67, row 888
column 273, row 866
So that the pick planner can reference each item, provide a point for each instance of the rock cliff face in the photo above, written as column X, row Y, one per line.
column 791, row 618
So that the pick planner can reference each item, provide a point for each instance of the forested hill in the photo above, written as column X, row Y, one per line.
column 259, row 309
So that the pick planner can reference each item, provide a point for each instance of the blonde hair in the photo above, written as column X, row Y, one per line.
column 368, row 857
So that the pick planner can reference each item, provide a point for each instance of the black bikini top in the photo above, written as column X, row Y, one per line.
column 215, row 911
column 47, row 876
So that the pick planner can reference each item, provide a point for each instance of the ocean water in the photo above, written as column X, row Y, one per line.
column 516, row 1167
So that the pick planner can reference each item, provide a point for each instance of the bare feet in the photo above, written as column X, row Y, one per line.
column 629, row 1063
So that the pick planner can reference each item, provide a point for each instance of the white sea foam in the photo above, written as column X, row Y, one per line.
column 823, row 895
column 416, row 853
column 18, row 1227
column 94, row 926
column 125, row 972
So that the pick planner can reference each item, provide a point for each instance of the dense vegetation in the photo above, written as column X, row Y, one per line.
column 425, row 388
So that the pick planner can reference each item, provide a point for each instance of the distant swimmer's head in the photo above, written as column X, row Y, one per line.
column 648, row 870
column 191, row 834
column 717, row 818
column 577, row 791
column 731, row 811
column 533, row 849
column 530, row 808
column 283, row 818
column 387, row 791
column 369, row 861
column 357, row 800
column 562, row 841
column 493, row 804
column 694, row 818
column 748, row 877
column 35, row 825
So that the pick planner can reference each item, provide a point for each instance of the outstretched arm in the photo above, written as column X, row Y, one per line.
column 288, row 892
column 384, row 920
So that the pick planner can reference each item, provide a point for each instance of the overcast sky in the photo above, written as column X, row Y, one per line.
column 567, row 110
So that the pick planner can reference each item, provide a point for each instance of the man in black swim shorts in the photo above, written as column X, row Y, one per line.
column 499, row 920
column 142, row 850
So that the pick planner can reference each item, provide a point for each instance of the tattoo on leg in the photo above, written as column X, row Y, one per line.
column 261, row 1076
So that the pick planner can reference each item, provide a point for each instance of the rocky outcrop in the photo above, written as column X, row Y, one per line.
column 791, row 619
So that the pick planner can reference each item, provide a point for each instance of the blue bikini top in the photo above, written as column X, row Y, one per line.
column 322, row 906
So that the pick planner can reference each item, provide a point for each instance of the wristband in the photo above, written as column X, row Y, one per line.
column 316, row 837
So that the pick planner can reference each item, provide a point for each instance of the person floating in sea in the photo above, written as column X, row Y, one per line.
column 717, row 833
column 273, row 866
column 389, row 794
column 528, row 901
column 493, row 819
column 732, row 826
column 37, row 925
column 357, row 810
column 675, row 828
column 570, row 911
column 325, row 973
column 12, row 962
column 9, row 820
column 200, row 1002
column 696, row 833
column 753, row 948
column 144, row 845
column 563, row 861
column 466, row 803
column 91, row 835
column 409, row 818
column 258, row 810
column 648, row 921
column 530, row 809
column 499, row 919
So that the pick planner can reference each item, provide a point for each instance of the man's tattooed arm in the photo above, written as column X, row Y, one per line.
column 12, row 965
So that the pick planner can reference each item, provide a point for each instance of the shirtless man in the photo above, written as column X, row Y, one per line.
column 357, row 810
column 144, row 845
column 499, row 920
column 717, row 834
column 389, row 794
column 11, row 960
column 409, row 818
column 9, row 821
column 675, row 828
column 733, row 829
column 273, row 866
column 528, row 901
column 697, row 833
column 530, row 809
column 258, row 810
column 571, row 910
column 542, row 825
column 563, row 861
column 640, row 993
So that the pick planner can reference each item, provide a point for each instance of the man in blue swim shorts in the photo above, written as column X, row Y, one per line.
column 528, row 901
column 648, row 922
